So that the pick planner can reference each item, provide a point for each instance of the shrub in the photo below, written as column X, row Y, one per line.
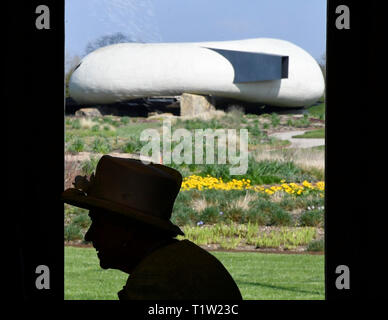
column 100, row 146
column 312, row 218
column 275, row 119
column 110, row 120
column 216, row 170
column 183, row 215
column 265, row 212
column 183, row 197
column 316, row 245
column 255, row 131
column 270, row 172
column 257, row 217
column 72, row 232
column 88, row 166
column 193, row 124
column 316, row 173
column 234, row 214
column 76, row 124
column 76, row 146
column 302, row 123
column 279, row 217
column 73, row 210
column 124, row 120
column 210, row 215
column 289, row 202
column 82, row 220
column 129, row 147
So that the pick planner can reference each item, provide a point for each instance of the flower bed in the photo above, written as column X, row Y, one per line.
column 209, row 182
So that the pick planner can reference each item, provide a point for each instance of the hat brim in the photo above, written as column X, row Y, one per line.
column 79, row 199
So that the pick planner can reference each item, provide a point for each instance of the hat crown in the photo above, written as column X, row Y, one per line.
column 149, row 188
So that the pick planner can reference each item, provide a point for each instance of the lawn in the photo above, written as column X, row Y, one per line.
column 313, row 134
column 281, row 193
column 259, row 276
column 317, row 110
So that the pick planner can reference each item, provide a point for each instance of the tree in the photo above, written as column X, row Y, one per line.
column 107, row 40
column 322, row 65
column 71, row 63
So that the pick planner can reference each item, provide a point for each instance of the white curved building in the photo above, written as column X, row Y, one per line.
column 263, row 70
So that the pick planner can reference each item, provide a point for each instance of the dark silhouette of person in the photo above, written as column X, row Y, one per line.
column 130, row 205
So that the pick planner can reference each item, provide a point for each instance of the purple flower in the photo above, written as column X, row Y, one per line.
column 221, row 213
column 199, row 223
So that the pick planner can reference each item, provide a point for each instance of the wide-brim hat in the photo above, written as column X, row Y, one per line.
column 131, row 188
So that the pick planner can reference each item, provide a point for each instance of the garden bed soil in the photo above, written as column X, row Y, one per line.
column 214, row 247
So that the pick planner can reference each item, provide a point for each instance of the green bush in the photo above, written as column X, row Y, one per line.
column 312, row 218
column 100, row 146
column 316, row 245
column 82, row 220
column 317, row 111
column 270, row 172
column 133, row 144
column 289, row 202
column 256, row 216
column 183, row 215
column 73, row 232
column 129, row 147
column 88, row 166
column 265, row 212
column 76, row 124
column 210, row 215
column 124, row 120
column 255, row 131
column 110, row 120
column 234, row 214
column 275, row 120
column 262, row 172
column 73, row 210
column 280, row 217
column 76, row 146
column 303, row 122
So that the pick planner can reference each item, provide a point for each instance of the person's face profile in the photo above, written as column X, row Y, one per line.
column 109, row 239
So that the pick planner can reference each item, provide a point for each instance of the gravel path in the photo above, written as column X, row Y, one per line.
column 298, row 142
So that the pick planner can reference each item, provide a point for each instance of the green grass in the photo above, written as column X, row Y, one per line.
column 317, row 111
column 227, row 206
column 229, row 236
column 259, row 276
column 106, row 134
column 313, row 134
column 85, row 280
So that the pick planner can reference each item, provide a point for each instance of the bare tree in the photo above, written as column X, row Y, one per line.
column 107, row 40
column 72, row 61
column 322, row 64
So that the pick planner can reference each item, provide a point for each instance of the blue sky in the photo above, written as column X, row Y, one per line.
column 302, row 22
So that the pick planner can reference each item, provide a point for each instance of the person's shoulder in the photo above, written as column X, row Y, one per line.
column 183, row 248
column 177, row 255
column 172, row 269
